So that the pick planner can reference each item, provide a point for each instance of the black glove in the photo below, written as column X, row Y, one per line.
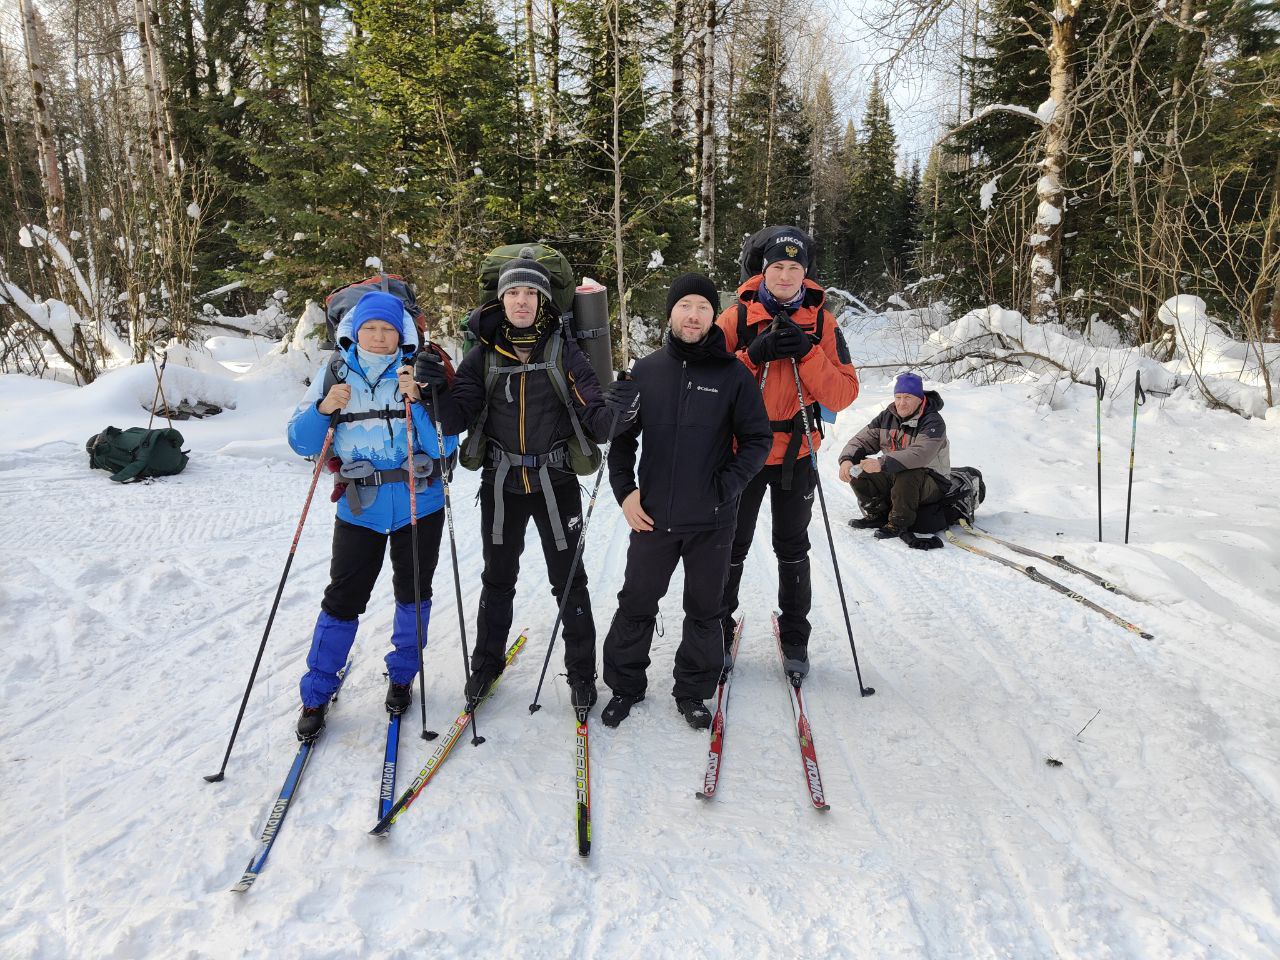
column 921, row 543
column 789, row 341
column 763, row 349
column 623, row 398
column 429, row 372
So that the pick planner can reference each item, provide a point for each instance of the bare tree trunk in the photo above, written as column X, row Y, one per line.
column 699, row 102
column 1046, row 241
column 707, row 224
column 619, row 250
column 678, row 33
column 552, row 65
column 164, row 92
column 535, row 100
column 50, row 176
column 12, row 161
column 775, row 77
column 158, row 162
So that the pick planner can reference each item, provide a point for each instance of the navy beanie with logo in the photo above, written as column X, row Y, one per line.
column 786, row 246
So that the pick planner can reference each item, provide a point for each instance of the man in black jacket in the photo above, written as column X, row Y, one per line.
column 525, row 437
column 696, row 401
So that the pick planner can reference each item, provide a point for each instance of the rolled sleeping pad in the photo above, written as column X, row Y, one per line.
column 591, row 328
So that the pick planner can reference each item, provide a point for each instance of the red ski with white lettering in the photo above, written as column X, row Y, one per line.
column 715, row 753
column 808, row 754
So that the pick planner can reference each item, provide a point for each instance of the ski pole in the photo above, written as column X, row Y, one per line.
column 573, row 566
column 293, row 549
column 417, row 585
column 445, row 470
column 826, row 522
column 1139, row 398
column 1100, row 387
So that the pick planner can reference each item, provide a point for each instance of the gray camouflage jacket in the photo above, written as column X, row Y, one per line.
column 907, row 444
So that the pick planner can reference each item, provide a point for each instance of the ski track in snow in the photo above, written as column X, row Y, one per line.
column 132, row 614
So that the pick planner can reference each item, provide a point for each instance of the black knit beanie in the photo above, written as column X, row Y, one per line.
column 688, row 283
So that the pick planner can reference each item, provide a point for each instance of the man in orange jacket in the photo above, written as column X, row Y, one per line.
column 779, row 328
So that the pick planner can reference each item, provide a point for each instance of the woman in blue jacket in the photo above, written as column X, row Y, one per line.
column 363, row 391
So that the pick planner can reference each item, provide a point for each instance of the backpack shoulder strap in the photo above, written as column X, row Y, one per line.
column 560, row 383
column 745, row 333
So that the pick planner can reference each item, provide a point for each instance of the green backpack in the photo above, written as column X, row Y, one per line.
column 563, row 281
column 137, row 453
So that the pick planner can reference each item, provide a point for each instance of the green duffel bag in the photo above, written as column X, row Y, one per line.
column 137, row 453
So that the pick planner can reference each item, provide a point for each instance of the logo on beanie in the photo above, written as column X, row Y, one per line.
column 791, row 251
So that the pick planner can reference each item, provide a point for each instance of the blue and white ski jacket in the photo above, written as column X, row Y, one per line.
column 381, row 441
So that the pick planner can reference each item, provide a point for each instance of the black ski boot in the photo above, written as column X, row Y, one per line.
column 888, row 532
column 399, row 696
column 695, row 713
column 617, row 709
column 311, row 723
column 582, row 694
column 868, row 522
column 480, row 683
column 795, row 660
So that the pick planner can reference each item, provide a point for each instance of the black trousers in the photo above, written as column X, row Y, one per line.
column 357, row 560
column 651, row 559
column 898, row 495
column 792, row 510
column 502, row 568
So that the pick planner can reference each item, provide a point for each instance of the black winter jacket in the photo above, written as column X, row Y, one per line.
column 691, row 413
column 533, row 420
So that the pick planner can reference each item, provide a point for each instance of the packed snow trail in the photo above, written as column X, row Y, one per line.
column 130, row 616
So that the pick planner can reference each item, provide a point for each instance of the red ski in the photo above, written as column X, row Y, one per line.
column 715, row 753
column 808, row 755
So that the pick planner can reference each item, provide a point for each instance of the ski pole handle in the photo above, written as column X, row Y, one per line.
column 1099, row 383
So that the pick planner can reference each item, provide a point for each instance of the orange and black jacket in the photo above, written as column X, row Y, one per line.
column 826, row 372
column 529, row 418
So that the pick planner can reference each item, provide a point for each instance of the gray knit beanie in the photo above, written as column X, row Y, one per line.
column 524, row 271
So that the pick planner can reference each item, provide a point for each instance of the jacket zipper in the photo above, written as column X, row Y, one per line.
column 524, row 471
column 675, row 440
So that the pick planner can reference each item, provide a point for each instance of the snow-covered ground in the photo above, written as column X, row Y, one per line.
column 130, row 616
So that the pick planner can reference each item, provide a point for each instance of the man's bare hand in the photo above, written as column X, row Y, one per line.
column 639, row 521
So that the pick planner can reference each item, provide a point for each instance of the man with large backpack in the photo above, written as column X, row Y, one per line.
column 535, row 413
column 790, row 343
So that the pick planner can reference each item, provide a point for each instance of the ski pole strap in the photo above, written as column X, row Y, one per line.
column 504, row 461
column 1139, row 395
column 1099, row 383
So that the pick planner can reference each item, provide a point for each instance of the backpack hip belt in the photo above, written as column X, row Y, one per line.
column 503, row 461
column 795, row 427
column 361, row 475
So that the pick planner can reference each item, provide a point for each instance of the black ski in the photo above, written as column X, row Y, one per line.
column 582, row 783
column 1061, row 588
column 280, row 809
column 1057, row 560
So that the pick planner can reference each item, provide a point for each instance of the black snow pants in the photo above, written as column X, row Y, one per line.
column 791, row 510
column 502, row 568
column 651, row 559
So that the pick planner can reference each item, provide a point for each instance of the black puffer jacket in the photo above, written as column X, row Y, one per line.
column 695, row 403
column 526, row 415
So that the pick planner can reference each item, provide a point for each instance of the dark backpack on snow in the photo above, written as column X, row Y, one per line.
column 960, row 503
column 137, row 453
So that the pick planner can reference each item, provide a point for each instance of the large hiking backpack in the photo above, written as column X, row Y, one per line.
column 137, row 453
column 563, row 281
column 751, row 259
column 584, row 454
column 341, row 301
column 961, row 501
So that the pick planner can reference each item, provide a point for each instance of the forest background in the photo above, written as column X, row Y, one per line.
column 170, row 163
